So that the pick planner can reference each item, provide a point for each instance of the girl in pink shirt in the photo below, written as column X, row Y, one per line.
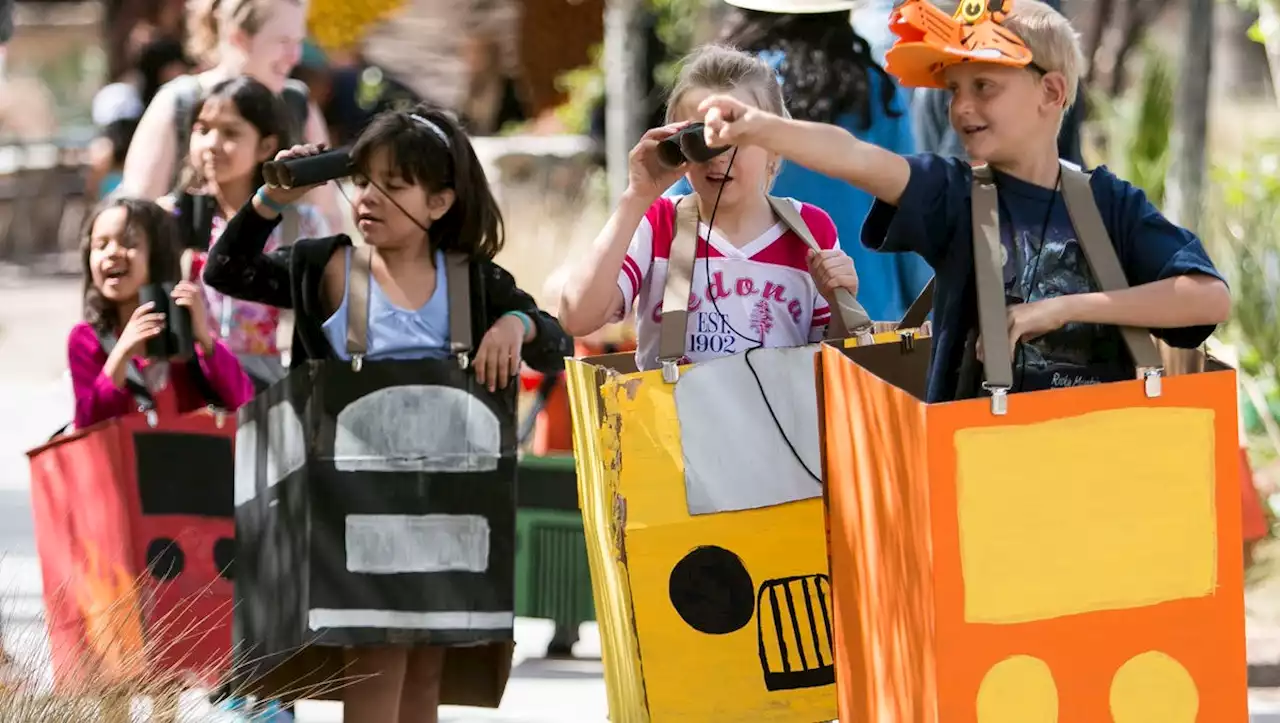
column 755, row 282
column 131, row 243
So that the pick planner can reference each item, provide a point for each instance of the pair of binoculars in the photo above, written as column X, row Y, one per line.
column 308, row 170
column 689, row 145
column 178, row 338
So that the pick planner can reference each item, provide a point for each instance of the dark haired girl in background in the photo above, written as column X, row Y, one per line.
column 828, row 75
column 421, row 192
column 237, row 127
column 128, row 244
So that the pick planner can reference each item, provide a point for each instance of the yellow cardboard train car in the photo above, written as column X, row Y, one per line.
column 706, row 538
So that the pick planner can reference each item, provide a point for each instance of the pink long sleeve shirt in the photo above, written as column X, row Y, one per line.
column 99, row 399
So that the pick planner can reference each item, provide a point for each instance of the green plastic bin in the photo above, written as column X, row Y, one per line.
column 553, row 580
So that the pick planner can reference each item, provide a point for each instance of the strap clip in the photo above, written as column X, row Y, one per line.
column 357, row 362
column 1151, row 378
column 670, row 370
column 908, row 339
column 999, row 398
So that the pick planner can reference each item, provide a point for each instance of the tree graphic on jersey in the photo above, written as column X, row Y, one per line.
column 762, row 318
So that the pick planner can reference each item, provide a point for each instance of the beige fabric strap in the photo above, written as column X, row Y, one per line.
column 457, row 275
column 675, row 293
column 457, row 272
column 1101, row 255
column 920, row 308
column 851, row 317
column 997, row 361
column 358, row 300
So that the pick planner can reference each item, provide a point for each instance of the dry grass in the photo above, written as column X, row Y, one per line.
column 114, row 679
column 550, row 217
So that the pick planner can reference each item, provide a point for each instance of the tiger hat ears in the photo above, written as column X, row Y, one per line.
column 930, row 41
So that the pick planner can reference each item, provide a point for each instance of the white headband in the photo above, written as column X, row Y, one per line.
column 433, row 128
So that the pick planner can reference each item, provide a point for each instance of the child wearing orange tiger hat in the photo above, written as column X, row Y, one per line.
column 1013, row 67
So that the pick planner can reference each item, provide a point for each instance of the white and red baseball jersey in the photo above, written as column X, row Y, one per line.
column 759, row 294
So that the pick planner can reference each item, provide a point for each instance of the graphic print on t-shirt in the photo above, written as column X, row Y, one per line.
column 1039, row 268
column 759, row 294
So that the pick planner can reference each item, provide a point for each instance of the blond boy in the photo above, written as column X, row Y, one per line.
column 1011, row 87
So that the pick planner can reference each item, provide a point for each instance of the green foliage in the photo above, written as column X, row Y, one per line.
column 676, row 27
column 1244, row 215
column 1138, row 126
column 677, row 23
column 583, row 88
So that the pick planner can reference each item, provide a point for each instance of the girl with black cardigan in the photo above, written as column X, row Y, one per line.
column 421, row 193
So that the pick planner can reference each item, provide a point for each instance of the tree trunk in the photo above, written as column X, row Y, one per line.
column 1138, row 16
column 624, row 88
column 1102, row 11
column 1184, row 194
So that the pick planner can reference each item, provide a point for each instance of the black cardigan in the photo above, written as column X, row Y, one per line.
column 290, row 278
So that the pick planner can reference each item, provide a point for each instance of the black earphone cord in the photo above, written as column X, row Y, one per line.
column 758, row 343
column 387, row 195
column 1035, row 275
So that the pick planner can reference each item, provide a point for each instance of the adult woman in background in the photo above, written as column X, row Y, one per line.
column 828, row 75
column 258, row 38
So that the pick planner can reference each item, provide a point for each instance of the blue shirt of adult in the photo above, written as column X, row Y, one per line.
column 1043, row 259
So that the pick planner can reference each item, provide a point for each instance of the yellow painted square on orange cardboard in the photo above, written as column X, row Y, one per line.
column 1104, row 511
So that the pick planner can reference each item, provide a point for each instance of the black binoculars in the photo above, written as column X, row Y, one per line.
column 689, row 144
column 308, row 170
column 178, row 338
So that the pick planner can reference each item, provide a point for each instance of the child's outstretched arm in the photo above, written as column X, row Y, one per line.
column 822, row 147
column 590, row 297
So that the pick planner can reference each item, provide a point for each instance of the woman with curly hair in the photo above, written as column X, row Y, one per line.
column 828, row 75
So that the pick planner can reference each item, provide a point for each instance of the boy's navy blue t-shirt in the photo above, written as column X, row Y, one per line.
column 1042, row 259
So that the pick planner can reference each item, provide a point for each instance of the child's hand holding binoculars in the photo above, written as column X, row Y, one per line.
column 286, row 196
column 647, row 176
column 188, row 296
column 143, row 325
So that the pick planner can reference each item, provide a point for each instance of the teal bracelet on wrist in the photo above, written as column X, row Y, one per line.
column 524, row 319
column 265, row 200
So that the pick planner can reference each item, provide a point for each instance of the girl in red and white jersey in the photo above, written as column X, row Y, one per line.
column 755, row 282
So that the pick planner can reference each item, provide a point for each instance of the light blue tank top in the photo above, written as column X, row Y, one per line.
column 394, row 332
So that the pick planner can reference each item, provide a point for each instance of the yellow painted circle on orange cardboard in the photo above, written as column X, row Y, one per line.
column 1018, row 689
column 1154, row 688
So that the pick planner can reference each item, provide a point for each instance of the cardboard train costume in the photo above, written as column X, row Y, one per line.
column 984, row 568
column 375, row 505
column 133, row 521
